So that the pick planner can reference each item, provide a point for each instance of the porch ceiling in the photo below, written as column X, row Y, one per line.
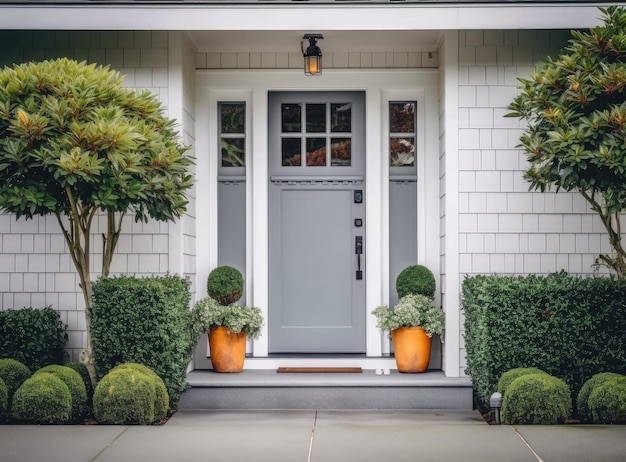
column 334, row 41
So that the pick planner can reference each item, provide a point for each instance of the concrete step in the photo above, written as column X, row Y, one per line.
column 269, row 390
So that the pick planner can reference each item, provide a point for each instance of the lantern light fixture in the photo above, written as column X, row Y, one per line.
column 312, row 55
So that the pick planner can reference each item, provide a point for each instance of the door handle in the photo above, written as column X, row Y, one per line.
column 358, row 250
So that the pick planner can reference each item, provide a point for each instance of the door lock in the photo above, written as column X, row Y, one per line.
column 358, row 196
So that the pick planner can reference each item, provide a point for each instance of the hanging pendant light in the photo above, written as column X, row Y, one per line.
column 312, row 55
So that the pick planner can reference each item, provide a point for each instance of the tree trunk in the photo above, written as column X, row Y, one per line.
column 86, row 356
column 612, row 224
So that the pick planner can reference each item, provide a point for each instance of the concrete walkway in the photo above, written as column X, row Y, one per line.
column 317, row 436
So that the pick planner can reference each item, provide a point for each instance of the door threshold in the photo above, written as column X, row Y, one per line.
column 364, row 362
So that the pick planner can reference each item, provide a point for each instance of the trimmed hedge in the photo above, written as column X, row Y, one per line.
column 75, row 385
column 536, row 399
column 125, row 396
column 607, row 401
column 42, row 399
column 585, row 391
column 4, row 401
column 35, row 337
column 146, row 321
column 13, row 373
column 568, row 326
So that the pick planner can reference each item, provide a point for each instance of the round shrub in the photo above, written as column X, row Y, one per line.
column 582, row 401
column 161, row 399
column 14, row 373
column 416, row 280
column 42, row 399
column 124, row 396
column 507, row 378
column 84, row 375
column 75, row 385
column 607, row 401
column 225, row 284
column 538, row 399
column 4, row 401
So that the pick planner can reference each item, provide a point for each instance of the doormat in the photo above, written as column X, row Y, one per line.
column 317, row 370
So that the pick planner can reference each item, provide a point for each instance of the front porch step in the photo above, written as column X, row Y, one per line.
column 269, row 390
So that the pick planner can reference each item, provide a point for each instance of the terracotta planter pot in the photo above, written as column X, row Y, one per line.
column 228, row 351
column 412, row 349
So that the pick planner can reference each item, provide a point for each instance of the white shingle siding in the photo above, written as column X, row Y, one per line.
column 503, row 227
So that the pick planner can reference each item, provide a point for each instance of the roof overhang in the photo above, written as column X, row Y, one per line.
column 301, row 15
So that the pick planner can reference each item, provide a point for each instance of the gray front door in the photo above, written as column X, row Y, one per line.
column 317, row 222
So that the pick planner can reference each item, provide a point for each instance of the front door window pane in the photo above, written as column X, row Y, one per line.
column 341, row 118
column 291, row 118
column 315, row 118
column 340, row 152
column 316, row 152
column 291, row 152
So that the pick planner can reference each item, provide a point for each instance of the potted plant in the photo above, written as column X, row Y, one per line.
column 413, row 321
column 228, row 325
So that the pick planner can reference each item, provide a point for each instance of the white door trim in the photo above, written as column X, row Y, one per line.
column 253, row 87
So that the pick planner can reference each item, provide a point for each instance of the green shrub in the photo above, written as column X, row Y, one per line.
column 510, row 375
column 570, row 327
column 84, row 375
column 4, row 401
column 582, row 402
column 145, row 321
column 207, row 314
column 161, row 398
column 13, row 373
column 607, row 401
column 34, row 337
column 124, row 396
column 416, row 280
column 538, row 399
column 75, row 385
column 42, row 399
column 225, row 284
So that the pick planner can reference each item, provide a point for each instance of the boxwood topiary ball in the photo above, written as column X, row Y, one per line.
column 42, row 399
column 225, row 284
column 607, row 401
column 509, row 376
column 124, row 396
column 416, row 280
column 582, row 401
column 75, row 385
column 161, row 399
column 14, row 373
column 538, row 399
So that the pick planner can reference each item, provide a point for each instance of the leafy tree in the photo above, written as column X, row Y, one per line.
column 575, row 106
column 76, row 144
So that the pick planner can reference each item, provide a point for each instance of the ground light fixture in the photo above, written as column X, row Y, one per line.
column 495, row 402
column 312, row 55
